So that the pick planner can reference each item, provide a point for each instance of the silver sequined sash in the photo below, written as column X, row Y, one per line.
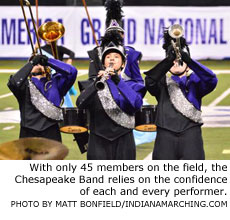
column 43, row 105
column 180, row 102
column 113, row 110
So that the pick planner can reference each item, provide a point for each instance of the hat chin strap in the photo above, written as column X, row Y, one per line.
column 117, row 71
column 122, row 67
column 36, row 74
column 178, row 74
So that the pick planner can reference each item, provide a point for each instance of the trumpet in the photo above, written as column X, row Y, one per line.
column 100, row 81
column 51, row 31
column 176, row 31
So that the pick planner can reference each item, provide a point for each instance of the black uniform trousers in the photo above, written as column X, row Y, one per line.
column 52, row 132
column 186, row 145
column 122, row 148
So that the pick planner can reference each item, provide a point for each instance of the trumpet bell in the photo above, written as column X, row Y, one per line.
column 176, row 31
column 51, row 31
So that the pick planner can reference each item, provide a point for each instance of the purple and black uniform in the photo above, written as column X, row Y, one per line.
column 178, row 117
column 111, row 117
column 39, row 100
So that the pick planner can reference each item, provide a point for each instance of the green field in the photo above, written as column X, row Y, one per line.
column 215, row 139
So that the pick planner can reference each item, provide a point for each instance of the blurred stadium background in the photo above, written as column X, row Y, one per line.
column 216, row 131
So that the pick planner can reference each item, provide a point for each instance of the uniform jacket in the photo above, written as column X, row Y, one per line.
column 194, row 86
column 127, row 95
column 53, row 90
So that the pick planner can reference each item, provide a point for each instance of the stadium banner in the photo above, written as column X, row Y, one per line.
column 207, row 29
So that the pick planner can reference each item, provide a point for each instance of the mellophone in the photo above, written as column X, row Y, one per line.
column 75, row 120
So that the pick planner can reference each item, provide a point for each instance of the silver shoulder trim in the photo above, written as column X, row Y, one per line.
column 43, row 105
column 113, row 110
column 181, row 103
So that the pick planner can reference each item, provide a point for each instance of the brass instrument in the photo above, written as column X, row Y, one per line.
column 27, row 26
column 51, row 31
column 176, row 32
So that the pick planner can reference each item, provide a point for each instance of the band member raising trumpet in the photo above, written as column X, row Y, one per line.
column 112, row 101
column 40, row 94
column 179, row 96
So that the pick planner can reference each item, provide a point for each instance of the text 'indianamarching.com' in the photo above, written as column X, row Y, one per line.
column 125, row 185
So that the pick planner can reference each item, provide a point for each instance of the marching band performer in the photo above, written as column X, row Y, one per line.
column 111, row 108
column 40, row 94
column 114, row 24
column 132, row 71
column 179, row 96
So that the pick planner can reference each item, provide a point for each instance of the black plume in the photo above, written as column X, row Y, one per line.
column 113, row 36
column 114, row 11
